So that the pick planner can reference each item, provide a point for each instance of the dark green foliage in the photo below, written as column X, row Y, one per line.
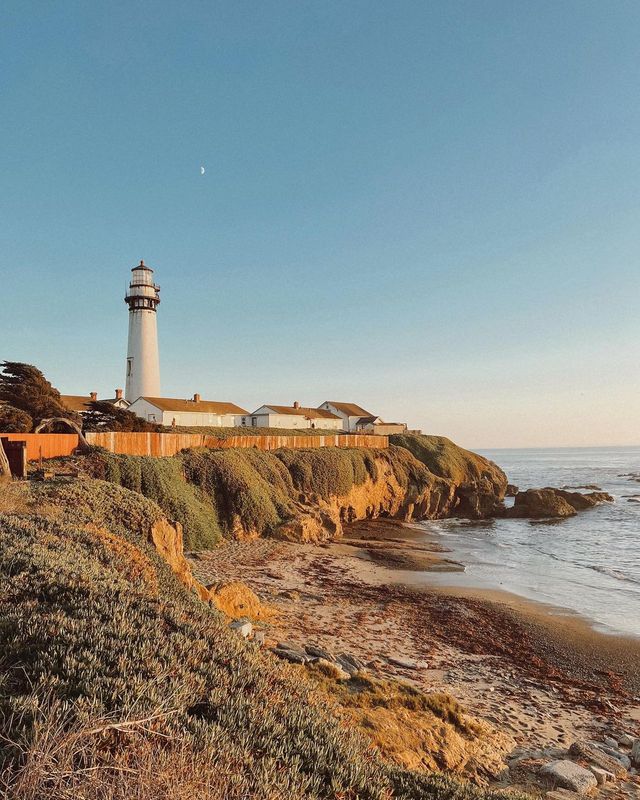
column 95, row 619
column 14, row 420
column 407, row 469
column 329, row 470
column 214, row 492
column 25, row 387
column 445, row 459
column 248, row 485
column 162, row 480
column 104, row 416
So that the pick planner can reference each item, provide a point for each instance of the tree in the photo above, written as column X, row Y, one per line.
column 14, row 420
column 24, row 387
column 104, row 416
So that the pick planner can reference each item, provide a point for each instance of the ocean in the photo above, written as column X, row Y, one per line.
column 589, row 564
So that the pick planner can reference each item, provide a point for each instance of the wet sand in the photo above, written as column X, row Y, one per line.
column 542, row 675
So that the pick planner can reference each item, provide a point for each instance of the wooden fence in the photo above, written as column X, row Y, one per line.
column 52, row 445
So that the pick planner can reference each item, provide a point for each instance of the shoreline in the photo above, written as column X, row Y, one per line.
column 544, row 677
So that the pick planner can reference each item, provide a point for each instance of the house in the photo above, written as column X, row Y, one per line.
column 349, row 413
column 118, row 401
column 191, row 413
column 376, row 426
column 295, row 416
column 78, row 402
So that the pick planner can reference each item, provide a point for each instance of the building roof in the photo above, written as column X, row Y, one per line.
column 350, row 409
column 201, row 406
column 367, row 420
column 76, row 402
column 312, row 413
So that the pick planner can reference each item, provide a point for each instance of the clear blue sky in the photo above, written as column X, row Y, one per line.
column 428, row 208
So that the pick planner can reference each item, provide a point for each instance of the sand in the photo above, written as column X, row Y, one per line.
column 539, row 673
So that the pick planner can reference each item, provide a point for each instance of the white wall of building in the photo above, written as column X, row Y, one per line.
column 347, row 423
column 265, row 418
column 195, row 419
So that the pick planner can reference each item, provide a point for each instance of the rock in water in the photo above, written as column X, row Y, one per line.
column 549, row 502
column 569, row 775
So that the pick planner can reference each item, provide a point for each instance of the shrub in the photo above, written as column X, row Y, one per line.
column 246, row 485
column 162, row 480
column 329, row 470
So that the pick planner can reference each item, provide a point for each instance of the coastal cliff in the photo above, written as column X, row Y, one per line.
column 307, row 495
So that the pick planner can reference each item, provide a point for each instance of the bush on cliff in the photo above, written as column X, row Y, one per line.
column 118, row 684
column 446, row 459
column 162, row 480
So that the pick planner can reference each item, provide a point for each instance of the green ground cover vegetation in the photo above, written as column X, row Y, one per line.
column 116, row 683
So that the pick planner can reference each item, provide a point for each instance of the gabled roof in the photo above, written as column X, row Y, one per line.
column 76, row 402
column 312, row 413
column 350, row 409
column 367, row 420
column 201, row 406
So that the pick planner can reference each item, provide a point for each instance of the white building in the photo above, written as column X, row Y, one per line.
column 295, row 416
column 143, row 360
column 191, row 413
column 376, row 426
column 349, row 413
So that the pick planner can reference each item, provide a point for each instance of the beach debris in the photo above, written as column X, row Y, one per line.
column 591, row 752
column 569, row 775
column 625, row 740
column 610, row 742
column 242, row 627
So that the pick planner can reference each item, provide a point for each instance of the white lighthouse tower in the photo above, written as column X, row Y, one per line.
column 143, row 361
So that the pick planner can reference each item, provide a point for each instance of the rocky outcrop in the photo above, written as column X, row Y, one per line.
column 479, row 484
column 235, row 600
column 319, row 519
column 556, row 503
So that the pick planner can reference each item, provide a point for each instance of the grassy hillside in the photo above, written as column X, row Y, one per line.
column 211, row 492
column 117, row 684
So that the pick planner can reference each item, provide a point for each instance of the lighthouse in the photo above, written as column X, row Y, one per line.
column 143, row 361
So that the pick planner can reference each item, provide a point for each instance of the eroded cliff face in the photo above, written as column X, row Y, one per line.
column 319, row 519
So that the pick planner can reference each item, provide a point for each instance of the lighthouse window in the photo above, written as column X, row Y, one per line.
column 129, row 366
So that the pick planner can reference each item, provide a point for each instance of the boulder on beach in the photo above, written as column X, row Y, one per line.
column 549, row 502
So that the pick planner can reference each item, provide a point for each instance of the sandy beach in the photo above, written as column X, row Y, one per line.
column 542, row 676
